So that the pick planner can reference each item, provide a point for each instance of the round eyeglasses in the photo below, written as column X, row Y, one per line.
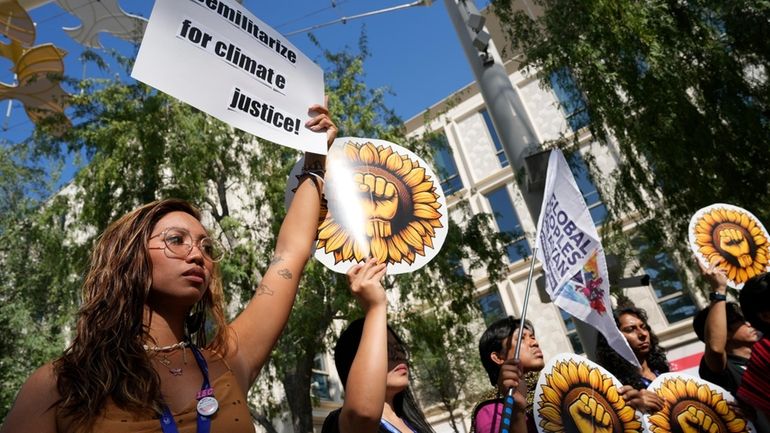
column 179, row 242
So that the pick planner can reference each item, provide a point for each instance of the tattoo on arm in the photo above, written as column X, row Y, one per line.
column 276, row 259
column 264, row 290
column 285, row 273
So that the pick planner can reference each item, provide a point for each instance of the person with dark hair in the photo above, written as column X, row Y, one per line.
column 755, row 384
column 729, row 339
column 373, row 364
column 632, row 323
column 145, row 355
column 497, row 347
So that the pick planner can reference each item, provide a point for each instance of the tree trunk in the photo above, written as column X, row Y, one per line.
column 296, row 383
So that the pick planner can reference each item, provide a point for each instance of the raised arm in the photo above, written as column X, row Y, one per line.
column 257, row 328
column 365, row 387
column 715, row 333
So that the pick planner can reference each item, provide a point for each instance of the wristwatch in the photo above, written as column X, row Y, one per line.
column 715, row 296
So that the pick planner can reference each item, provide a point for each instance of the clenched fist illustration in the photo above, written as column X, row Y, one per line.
column 694, row 420
column 380, row 203
column 734, row 242
column 589, row 415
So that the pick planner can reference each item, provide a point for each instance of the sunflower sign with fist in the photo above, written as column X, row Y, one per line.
column 731, row 239
column 381, row 200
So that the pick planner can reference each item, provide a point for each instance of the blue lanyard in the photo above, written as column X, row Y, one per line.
column 167, row 423
column 391, row 428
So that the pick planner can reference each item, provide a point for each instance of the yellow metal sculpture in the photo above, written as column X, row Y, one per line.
column 38, row 69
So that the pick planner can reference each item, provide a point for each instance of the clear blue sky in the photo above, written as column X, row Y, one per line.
column 415, row 51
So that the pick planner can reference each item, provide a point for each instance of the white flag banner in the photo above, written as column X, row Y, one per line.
column 573, row 260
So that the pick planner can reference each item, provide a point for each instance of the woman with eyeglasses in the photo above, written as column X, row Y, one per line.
column 373, row 365
column 152, row 351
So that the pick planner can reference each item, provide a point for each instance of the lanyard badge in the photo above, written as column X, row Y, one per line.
column 207, row 403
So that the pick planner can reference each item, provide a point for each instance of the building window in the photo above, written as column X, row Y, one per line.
column 569, row 326
column 570, row 99
column 445, row 165
column 495, row 139
column 492, row 308
column 319, row 383
column 673, row 299
column 508, row 223
column 587, row 187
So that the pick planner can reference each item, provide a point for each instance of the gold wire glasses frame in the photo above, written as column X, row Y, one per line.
column 179, row 243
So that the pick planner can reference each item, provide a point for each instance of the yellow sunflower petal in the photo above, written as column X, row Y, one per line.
column 360, row 251
column 424, row 197
column 336, row 241
column 351, row 152
column 415, row 177
column 393, row 251
column 595, row 378
column 394, row 162
column 368, row 153
column 326, row 232
column 385, row 153
column 406, row 167
column 550, row 395
column 425, row 212
column 423, row 187
column 559, row 382
column 692, row 388
column 582, row 373
column 379, row 250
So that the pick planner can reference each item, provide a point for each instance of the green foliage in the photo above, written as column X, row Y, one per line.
column 37, row 271
column 680, row 85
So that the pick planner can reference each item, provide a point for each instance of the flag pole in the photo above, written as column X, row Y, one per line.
column 508, row 403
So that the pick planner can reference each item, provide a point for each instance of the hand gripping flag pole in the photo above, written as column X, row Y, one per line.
column 509, row 403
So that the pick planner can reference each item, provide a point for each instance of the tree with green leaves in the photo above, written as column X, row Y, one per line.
column 680, row 86
column 143, row 145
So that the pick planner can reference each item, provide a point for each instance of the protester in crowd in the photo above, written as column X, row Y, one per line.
column 373, row 364
column 143, row 352
column 497, row 347
column 728, row 337
column 755, row 383
column 632, row 323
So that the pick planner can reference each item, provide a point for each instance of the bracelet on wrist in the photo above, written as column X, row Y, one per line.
column 717, row 297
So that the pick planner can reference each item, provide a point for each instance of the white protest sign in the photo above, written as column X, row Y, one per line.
column 218, row 57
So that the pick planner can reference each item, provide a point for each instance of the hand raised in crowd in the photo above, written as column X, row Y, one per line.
column 321, row 120
column 642, row 400
column 365, row 283
column 716, row 277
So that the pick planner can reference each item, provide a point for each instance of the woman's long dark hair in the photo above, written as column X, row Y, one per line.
column 404, row 403
column 627, row 373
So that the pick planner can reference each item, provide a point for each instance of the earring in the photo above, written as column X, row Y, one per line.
column 195, row 321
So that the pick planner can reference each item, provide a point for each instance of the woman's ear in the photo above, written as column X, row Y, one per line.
column 496, row 358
